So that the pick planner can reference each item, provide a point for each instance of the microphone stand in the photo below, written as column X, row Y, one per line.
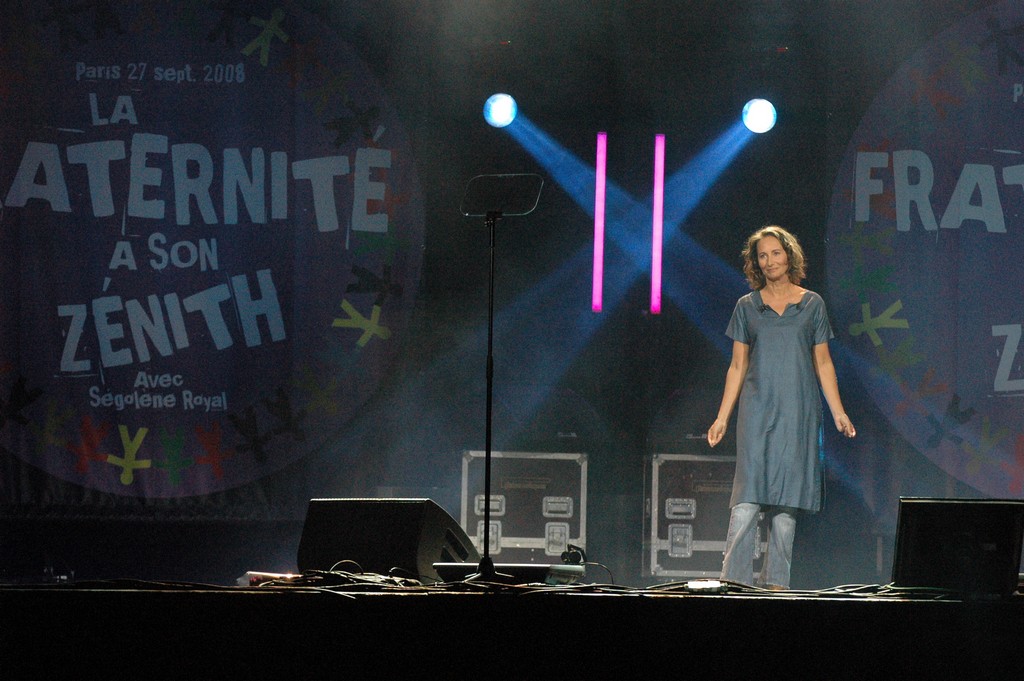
column 494, row 196
column 486, row 572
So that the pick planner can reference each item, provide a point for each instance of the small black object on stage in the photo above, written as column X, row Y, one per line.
column 493, row 197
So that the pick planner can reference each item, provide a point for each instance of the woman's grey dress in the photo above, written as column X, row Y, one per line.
column 778, row 427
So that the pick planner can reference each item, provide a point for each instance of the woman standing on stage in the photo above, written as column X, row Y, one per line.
column 780, row 357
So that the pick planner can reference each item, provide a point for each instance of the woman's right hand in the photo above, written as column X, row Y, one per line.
column 716, row 432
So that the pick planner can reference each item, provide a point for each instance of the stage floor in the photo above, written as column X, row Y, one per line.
column 145, row 630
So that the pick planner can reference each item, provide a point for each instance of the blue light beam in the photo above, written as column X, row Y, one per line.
column 707, row 288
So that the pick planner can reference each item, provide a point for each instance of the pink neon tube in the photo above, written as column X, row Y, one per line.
column 599, row 201
column 658, row 226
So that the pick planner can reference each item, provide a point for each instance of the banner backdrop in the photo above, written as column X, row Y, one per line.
column 925, row 236
column 210, row 238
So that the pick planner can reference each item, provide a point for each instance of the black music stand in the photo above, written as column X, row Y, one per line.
column 493, row 197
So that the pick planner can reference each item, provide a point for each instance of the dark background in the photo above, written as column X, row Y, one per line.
column 640, row 383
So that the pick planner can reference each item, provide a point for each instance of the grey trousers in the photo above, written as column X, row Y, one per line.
column 738, row 564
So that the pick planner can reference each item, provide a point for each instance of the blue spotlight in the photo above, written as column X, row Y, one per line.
column 759, row 115
column 500, row 110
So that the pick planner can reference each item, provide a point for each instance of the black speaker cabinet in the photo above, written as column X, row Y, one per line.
column 970, row 546
column 404, row 537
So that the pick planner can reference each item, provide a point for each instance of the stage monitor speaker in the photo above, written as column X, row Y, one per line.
column 406, row 536
column 969, row 546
